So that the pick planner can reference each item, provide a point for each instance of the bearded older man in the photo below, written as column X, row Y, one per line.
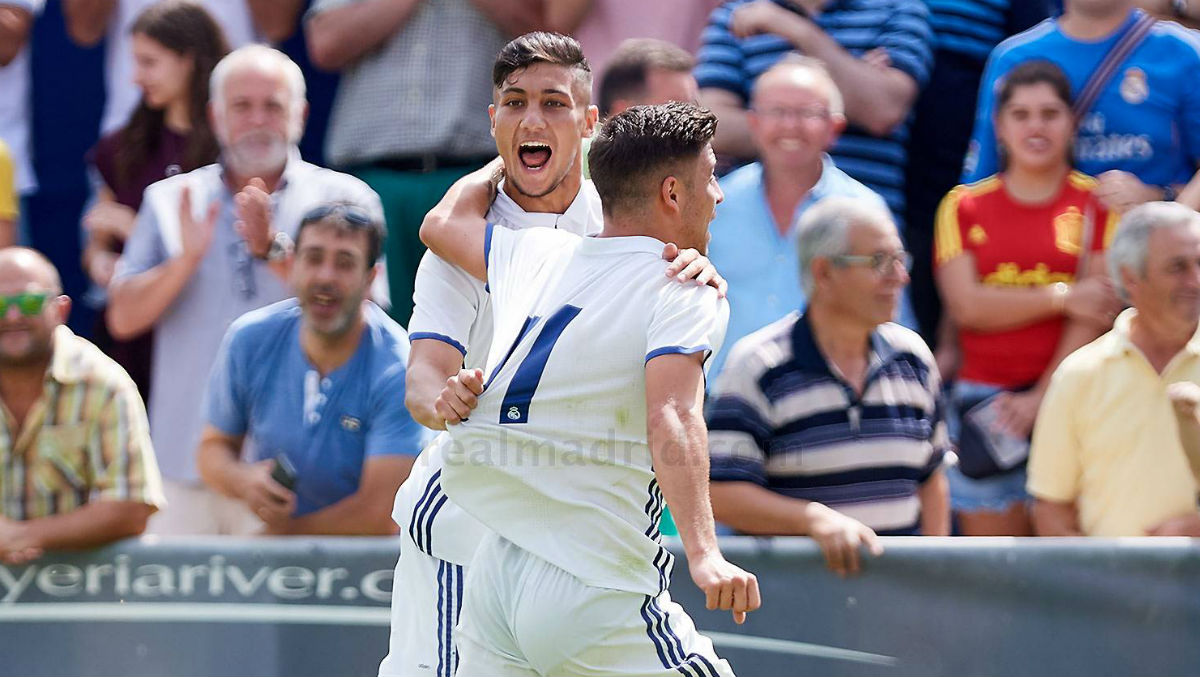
column 210, row 245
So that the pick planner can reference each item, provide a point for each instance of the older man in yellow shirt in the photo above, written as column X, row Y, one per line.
column 1108, row 458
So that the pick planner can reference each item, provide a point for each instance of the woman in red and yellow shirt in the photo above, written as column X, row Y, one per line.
column 1019, row 264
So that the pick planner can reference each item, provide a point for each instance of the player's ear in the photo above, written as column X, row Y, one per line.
column 669, row 191
column 590, row 118
column 492, row 118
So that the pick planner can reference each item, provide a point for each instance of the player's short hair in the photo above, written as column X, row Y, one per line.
column 625, row 76
column 815, row 67
column 640, row 146
column 347, row 217
column 543, row 47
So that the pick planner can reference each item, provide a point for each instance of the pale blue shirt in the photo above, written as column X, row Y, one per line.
column 762, row 266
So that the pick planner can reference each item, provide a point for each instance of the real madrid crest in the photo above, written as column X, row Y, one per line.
column 1134, row 87
column 514, row 414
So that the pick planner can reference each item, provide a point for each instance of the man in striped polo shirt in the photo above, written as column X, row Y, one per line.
column 829, row 423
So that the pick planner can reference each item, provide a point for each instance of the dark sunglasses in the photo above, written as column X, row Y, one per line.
column 353, row 215
column 29, row 303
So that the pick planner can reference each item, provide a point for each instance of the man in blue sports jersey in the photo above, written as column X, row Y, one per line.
column 315, row 382
column 1141, row 138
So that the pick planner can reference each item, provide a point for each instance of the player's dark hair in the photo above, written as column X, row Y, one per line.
column 542, row 47
column 639, row 147
column 1031, row 73
column 625, row 76
column 189, row 30
column 1034, row 73
column 348, row 218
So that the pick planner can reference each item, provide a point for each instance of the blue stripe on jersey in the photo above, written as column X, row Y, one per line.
column 514, row 408
column 418, row 335
column 676, row 350
column 432, row 488
column 428, row 542
column 659, row 645
column 529, row 322
column 970, row 27
column 442, row 633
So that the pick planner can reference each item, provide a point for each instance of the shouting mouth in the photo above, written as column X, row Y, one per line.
column 534, row 154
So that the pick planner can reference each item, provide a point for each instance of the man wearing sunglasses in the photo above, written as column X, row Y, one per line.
column 74, row 442
column 828, row 423
column 316, row 383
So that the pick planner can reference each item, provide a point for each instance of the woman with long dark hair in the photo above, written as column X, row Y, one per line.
column 1019, row 265
column 175, row 44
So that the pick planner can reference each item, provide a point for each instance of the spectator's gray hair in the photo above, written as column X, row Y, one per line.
column 794, row 61
column 1129, row 246
column 266, row 59
column 824, row 232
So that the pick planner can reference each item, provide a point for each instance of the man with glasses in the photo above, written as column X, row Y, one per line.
column 213, row 244
column 79, row 470
column 829, row 423
column 316, row 382
column 795, row 117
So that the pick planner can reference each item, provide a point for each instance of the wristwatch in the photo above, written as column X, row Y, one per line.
column 1169, row 193
column 1179, row 8
column 281, row 247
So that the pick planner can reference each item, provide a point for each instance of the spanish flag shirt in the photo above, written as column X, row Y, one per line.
column 1018, row 245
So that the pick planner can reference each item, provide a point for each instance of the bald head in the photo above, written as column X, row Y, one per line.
column 24, row 269
column 800, row 72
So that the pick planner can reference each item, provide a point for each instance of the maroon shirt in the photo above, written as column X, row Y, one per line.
column 166, row 160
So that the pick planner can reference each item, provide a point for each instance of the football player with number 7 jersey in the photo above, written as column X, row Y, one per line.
column 590, row 417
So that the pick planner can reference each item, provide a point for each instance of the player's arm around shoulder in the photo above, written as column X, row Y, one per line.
column 678, row 446
column 456, row 229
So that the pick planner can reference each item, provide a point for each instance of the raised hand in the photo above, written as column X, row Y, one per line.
column 253, row 207
column 196, row 236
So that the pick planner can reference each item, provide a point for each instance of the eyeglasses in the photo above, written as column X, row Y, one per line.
column 806, row 114
column 352, row 214
column 880, row 262
column 29, row 303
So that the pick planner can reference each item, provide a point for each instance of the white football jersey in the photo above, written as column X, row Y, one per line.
column 454, row 307
column 554, row 458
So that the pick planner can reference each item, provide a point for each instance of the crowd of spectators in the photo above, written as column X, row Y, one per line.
column 961, row 166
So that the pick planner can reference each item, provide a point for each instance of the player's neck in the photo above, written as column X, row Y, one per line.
column 556, row 201
column 1080, row 25
column 1035, row 186
column 328, row 352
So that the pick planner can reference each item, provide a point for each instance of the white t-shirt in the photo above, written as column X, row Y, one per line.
column 454, row 307
column 14, row 107
column 555, row 458
column 121, row 94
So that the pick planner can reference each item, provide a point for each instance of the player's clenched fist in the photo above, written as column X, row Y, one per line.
column 459, row 396
column 726, row 586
